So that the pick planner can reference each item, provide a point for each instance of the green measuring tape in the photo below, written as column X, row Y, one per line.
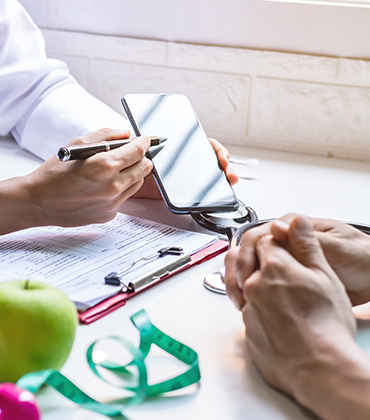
column 149, row 335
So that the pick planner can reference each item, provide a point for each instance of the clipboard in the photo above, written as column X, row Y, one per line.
column 117, row 301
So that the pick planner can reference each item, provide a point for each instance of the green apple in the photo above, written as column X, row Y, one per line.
column 37, row 328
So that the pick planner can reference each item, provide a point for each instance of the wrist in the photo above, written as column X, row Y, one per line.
column 16, row 205
column 335, row 381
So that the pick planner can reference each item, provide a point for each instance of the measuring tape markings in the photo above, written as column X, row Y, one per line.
column 34, row 381
column 149, row 334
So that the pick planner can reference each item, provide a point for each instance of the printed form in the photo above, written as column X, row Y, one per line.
column 76, row 260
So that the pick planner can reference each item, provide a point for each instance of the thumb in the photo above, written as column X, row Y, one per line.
column 303, row 244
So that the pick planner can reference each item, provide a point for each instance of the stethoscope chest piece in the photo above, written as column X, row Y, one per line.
column 226, row 224
column 215, row 282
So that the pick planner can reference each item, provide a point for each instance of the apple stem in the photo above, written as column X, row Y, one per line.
column 26, row 284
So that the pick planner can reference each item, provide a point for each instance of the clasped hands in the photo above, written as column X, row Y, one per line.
column 295, row 281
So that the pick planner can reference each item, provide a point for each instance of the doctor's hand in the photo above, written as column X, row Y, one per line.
column 150, row 188
column 223, row 157
column 76, row 192
column 300, row 327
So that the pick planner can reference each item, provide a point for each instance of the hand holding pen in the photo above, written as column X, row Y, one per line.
column 82, row 192
column 84, row 151
column 85, row 191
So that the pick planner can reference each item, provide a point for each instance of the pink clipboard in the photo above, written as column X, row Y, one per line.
column 111, row 304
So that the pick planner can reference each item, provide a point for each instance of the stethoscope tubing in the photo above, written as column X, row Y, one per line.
column 214, row 281
column 235, row 240
column 247, row 222
column 208, row 222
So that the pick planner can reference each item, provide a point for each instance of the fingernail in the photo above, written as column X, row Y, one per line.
column 281, row 225
column 302, row 224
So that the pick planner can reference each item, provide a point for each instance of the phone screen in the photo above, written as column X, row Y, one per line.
column 185, row 166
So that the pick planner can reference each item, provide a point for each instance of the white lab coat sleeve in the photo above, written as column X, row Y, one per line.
column 41, row 104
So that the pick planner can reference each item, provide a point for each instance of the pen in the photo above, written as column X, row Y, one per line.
column 83, row 152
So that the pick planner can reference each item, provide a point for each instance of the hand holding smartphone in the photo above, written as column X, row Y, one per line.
column 185, row 167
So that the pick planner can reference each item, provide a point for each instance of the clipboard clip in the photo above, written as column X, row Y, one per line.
column 114, row 278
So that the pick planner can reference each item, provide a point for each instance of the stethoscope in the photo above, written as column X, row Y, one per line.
column 234, row 225
column 227, row 223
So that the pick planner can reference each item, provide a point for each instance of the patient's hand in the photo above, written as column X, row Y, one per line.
column 346, row 249
column 348, row 252
column 299, row 324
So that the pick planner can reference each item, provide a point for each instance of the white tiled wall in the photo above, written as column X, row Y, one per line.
column 283, row 101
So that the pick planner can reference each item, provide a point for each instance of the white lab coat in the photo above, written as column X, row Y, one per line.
column 41, row 104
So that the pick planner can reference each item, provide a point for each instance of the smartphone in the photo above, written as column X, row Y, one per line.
column 185, row 166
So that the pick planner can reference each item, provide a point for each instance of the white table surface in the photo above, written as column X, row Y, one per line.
column 231, row 387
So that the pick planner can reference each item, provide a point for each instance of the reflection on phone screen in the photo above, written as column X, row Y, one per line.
column 186, row 164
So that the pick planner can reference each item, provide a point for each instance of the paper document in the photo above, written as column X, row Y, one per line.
column 76, row 260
